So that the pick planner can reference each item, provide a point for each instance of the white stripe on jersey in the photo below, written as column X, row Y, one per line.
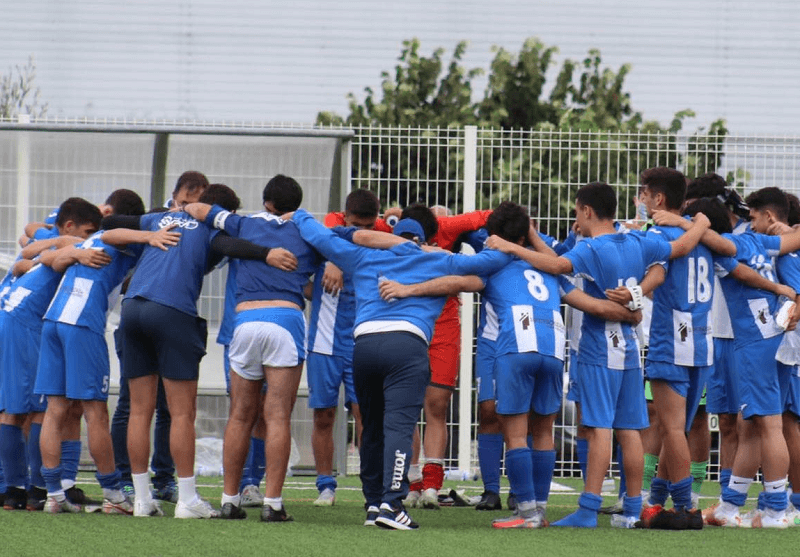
column 78, row 297
column 326, row 322
column 763, row 319
column 560, row 335
column 492, row 327
column 615, row 345
column 525, row 328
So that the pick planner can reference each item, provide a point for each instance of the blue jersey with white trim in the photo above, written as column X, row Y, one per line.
column 255, row 280
column 174, row 277
column 29, row 296
column 406, row 263
column 9, row 279
column 751, row 309
column 681, row 307
column 330, row 328
column 528, row 307
column 85, row 294
column 606, row 262
column 226, row 326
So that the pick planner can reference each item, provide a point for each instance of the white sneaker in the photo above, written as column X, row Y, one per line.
column 622, row 521
column 54, row 506
column 767, row 520
column 251, row 496
column 429, row 499
column 326, row 499
column 792, row 515
column 412, row 499
column 723, row 516
column 123, row 507
column 198, row 508
column 147, row 508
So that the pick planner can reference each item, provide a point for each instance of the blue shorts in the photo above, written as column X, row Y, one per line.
column 325, row 373
column 786, row 373
column 73, row 362
column 19, row 356
column 722, row 392
column 612, row 398
column 572, row 370
column 158, row 339
column 793, row 399
column 528, row 381
column 760, row 390
column 267, row 337
column 688, row 382
column 484, row 369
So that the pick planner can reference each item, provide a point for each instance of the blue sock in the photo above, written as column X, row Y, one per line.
column 519, row 468
column 258, row 466
column 582, row 447
column 732, row 496
column 326, row 482
column 632, row 506
column 52, row 479
column 586, row 515
column 246, row 475
column 724, row 477
column 2, row 479
column 109, row 481
column 681, row 493
column 761, row 504
column 623, row 485
column 12, row 451
column 70, row 458
column 659, row 491
column 544, row 462
column 490, row 453
column 795, row 500
column 35, row 455
column 775, row 500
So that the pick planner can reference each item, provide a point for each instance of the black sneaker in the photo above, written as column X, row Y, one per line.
column 511, row 502
column 372, row 514
column 16, row 499
column 490, row 501
column 36, row 498
column 232, row 512
column 78, row 497
column 268, row 514
column 392, row 519
column 694, row 519
column 669, row 519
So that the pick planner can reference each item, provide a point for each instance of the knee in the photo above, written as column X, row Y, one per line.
column 324, row 418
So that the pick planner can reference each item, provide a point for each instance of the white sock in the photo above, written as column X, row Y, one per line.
column 66, row 484
column 186, row 490
column 275, row 502
column 236, row 500
column 141, row 486
column 541, row 505
column 740, row 484
column 58, row 495
column 776, row 486
column 414, row 474
column 113, row 495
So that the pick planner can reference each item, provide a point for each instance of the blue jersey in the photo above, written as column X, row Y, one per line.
column 226, row 326
column 255, row 280
column 174, row 277
column 29, row 296
column 9, row 278
column 681, row 307
column 528, row 307
column 85, row 294
column 52, row 217
column 751, row 309
column 330, row 329
column 606, row 262
column 789, row 274
column 406, row 263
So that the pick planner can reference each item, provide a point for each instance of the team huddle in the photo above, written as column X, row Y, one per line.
column 707, row 287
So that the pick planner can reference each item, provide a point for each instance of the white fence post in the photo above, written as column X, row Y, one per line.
column 467, row 317
column 23, row 175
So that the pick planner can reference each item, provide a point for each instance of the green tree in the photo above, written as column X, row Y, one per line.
column 18, row 94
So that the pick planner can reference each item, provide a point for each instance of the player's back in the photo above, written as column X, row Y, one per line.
column 330, row 327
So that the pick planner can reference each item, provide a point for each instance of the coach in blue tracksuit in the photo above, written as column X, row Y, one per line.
column 390, row 358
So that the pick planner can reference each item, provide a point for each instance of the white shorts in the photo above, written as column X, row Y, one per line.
column 272, row 337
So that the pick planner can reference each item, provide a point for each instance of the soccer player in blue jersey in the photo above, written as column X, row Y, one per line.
column 268, row 342
column 20, row 326
column 757, row 338
column 610, row 386
column 163, row 335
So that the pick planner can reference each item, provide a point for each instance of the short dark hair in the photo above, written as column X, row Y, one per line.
column 284, row 192
column 707, row 185
column 423, row 215
column 772, row 199
column 79, row 211
column 191, row 180
column 362, row 203
column 794, row 209
column 509, row 221
column 600, row 197
column 222, row 195
column 669, row 182
column 125, row 202
column 717, row 213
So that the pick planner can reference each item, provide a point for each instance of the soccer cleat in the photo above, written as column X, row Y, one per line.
column 127, row 491
column 535, row 520
column 669, row 519
column 511, row 502
column 616, row 508
column 622, row 521
column 230, row 511
column 372, row 514
column 36, row 498
column 648, row 514
column 392, row 519
column 123, row 507
column 721, row 517
column 147, row 508
column 251, row 496
column 694, row 519
column 429, row 499
column 168, row 493
column 268, row 514
column 54, row 506
column 709, row 512
column 16, row 499
column 490, row 501
column 326, row 499
column 198, row 508
column 765, row 520
column 412, row 499
column 793, row 515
